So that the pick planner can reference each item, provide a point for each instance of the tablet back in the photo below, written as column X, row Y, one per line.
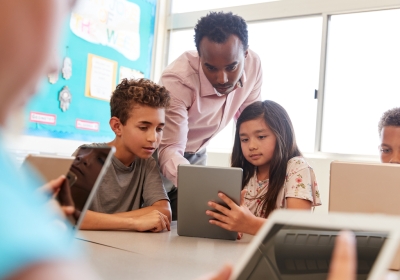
column 196, row 186
column 364, row 187
column 297, row 244
column 50, row 167
column 90, row 166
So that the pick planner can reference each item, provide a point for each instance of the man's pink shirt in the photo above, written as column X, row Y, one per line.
column 196, row 112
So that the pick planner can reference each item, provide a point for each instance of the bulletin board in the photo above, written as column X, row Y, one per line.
column 105, row 41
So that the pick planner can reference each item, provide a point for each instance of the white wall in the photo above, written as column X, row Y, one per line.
column 21, row 145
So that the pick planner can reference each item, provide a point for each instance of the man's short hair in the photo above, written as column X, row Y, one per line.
column 217, row 27
column 132, row 92
column 389, row 118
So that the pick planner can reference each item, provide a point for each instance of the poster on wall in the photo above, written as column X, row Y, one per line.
column 106, row 41
column 101, row 75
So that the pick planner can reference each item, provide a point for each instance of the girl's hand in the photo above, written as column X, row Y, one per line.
column 239, row 218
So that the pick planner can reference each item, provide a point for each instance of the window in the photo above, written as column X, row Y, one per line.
column 362, row 79
column 183, row 6
column 179, row 42
column 290, row 54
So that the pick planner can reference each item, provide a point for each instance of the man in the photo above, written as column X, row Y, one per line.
column 208, row 88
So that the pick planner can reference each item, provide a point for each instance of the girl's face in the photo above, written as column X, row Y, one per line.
column 257, row 142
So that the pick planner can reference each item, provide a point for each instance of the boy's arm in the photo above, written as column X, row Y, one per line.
column 153, row 220
column 161, row 206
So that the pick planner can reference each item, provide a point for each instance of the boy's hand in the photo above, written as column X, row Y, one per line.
column 155, row 221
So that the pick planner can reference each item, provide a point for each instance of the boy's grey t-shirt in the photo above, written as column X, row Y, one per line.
column 126, row 188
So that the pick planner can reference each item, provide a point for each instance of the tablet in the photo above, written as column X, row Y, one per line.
column 362, row 187
column 50, row 167
column 299, row 245
column 89, row 167
column 197, row 185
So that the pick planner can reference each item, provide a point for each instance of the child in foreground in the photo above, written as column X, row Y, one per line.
column 275, row 174
column 389, row 132
column 131, row 195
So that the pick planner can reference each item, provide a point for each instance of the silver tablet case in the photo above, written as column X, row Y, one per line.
column 196, row 186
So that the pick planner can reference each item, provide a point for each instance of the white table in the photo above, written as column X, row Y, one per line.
column 165, row 255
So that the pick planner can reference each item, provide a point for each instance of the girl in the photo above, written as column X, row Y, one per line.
column 275, row 174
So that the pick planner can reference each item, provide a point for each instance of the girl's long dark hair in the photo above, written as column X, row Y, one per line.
column 276, row 117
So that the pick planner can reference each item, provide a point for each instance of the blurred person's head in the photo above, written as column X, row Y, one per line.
column 29, row 32
column 138, row 117
column 389, row 132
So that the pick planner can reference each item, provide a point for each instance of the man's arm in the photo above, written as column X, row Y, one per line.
column 173, row 143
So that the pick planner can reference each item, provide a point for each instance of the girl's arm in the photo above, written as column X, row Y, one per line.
column 298, row 203
column 238, row 218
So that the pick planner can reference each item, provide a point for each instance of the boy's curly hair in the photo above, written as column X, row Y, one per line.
column 141, row 91
column 389, row 118
column 217, row 27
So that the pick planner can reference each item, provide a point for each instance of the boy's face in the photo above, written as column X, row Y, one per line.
column 143, row 130
column 390, row 144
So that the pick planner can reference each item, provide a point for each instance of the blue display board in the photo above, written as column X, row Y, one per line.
column 111, row 21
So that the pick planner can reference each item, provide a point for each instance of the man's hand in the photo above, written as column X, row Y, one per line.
column 154, row 221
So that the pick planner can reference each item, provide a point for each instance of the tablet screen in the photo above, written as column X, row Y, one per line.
column 84, row 176
column 294, row 252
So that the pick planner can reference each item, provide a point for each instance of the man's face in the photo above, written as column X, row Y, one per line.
column 223, row 64
column 390, row 144
column 143, row 131
column 29, row 33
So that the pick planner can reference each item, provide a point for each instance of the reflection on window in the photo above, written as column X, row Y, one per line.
column 290, row 54
column 363, row 70
column 184, row 6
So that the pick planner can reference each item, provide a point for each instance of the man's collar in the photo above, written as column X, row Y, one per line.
column 206, row 89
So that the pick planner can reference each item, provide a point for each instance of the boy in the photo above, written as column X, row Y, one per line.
column 389, row 132
column 132, row 196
